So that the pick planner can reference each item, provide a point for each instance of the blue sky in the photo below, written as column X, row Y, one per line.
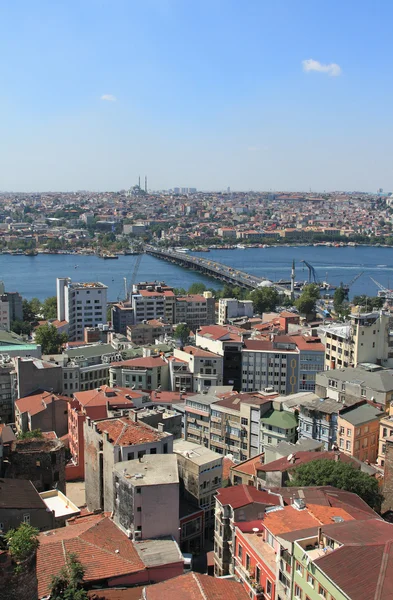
column 201, row 93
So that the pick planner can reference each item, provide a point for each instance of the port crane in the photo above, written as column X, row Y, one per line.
column 313, row 278
column 383, row 292
column 312, row 275
column 128, row 286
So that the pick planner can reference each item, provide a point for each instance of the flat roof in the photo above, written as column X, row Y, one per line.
column 59, row 504
column 194, row 452
column 153, row 469
column 362, row 414
column 163, row 551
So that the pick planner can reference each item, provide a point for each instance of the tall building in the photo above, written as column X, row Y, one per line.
column 81, row 305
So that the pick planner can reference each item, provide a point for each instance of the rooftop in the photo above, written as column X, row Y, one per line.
column 280, row 418
column 361, row 414
column 59, row 504
column 125, row 432
column 36, row 403
column 300, row 458
column 87, row 285
column 101, row 547
column 90, row 350
column 199, row 352
column 19, row 493
column 145, row 362
column 162, row 551
column 151, row 470
column 194, row 586
column 200, row 455
column 241, row 495
column 381, row 380
column 324, row 405
column 104, row 394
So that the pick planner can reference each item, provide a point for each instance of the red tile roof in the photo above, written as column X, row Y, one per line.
column 125, row 432
column 36, row 403
column 241, row 495
column 290, row 518
column 194, row 586
column 219, row 332
column 249, row 466
column 146, row 362
column 101, row 547
column 227, row 463
column 105, row 394
column 199, row 352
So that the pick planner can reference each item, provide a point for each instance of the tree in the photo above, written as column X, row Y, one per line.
column 265, row 299
column 307, row 301
column 22, row 541
column 338, row 298
column 68, row 584
column 339, row 474
column 28, row 312
column 30, row 435
column 49, row 339
column 197, row 288
column 49, row 308
column 182, row 332
column 21, row 327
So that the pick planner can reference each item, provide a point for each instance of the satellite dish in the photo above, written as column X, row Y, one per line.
column 255, row 529
column 290, row 457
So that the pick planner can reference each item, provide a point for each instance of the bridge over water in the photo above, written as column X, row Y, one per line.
column 214, row 269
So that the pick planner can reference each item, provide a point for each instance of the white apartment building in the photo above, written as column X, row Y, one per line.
column 205, row 367
column 81, row 305
column 230, row 308
column 367, row 338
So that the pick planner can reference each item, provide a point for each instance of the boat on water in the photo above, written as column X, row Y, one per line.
column 30, row 253
column 182, row 250
column 132, row 251
column 241, row 246
column 107, row 256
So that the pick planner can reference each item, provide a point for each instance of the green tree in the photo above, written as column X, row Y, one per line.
column 29, row 315
column 338, row 298
column 21, row 327
column 30, row 435
column 49, row 339
column 339, row 474
column 49, row 308
column 197, row 288
column 22, row 541
column 182, row 332
column 265, row 299
column 68, row 584
column 307, row 301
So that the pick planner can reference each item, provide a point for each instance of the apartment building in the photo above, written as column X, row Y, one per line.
column 95, row 404
column 122, row 316
column 367, row 338
column 153, row 301
column 231, row 308
column 358, row 431
column 195, row 310
column 5, row 320
column 227, row 342
column 385, row 432
column 110, row 441
column 146, row 497
column 200, row 472
column 144, row 373
column 277, row 425
column 205, row 367
column 148, row 332
column 232, row 505
column 44, row 410
column 287, row 364
column 349, row 385
column 8, row 390
column 318, row 419
column 81, row 305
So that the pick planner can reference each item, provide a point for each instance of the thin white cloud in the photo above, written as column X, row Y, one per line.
column 331, row 69
column 108, row 97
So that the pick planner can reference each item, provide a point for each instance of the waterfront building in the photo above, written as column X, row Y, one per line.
column 81, row 305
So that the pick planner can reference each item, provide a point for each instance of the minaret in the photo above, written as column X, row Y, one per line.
column 139, row 182
column 293, row 281
column 146, row 184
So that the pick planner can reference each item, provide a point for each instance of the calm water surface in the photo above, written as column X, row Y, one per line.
column 36, row 276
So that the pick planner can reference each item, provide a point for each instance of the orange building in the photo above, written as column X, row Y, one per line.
column 358, row 431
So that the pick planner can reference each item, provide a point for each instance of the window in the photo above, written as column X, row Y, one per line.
column 26, row 519
column 349, row 432
column 165, row 449
column 348, row 445
column 153, row 450
column 258, row 575
column 341, row 442
column 138, row 490
column 139, row 509
column 322, row 592
column 342, row 430
column 310, row 579
column 299, row 568
column 130, row 456
column 298, row 592
column 240, row 551
column 268, row 587
column 247, row 562
column 244, row 421
column 384, row 432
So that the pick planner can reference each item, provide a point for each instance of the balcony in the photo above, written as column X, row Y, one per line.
column 248, row 576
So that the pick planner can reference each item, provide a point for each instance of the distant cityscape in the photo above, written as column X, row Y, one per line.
column 227, row 443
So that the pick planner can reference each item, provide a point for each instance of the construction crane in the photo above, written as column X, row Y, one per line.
column 383, row 292
column 128, row 286
column 346, row 286
column 312, row 275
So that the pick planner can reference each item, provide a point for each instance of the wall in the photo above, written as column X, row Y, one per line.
column 42, row 462
column 39, row 517
column 30, row 378
column 53, row 418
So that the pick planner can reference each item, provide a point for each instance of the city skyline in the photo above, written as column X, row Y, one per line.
column 209, row 95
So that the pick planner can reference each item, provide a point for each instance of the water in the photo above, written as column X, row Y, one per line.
column 36, row 276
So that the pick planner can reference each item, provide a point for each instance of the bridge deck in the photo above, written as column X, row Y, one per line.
column 213, row 269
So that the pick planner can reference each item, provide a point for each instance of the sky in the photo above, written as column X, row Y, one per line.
column 251, row 94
